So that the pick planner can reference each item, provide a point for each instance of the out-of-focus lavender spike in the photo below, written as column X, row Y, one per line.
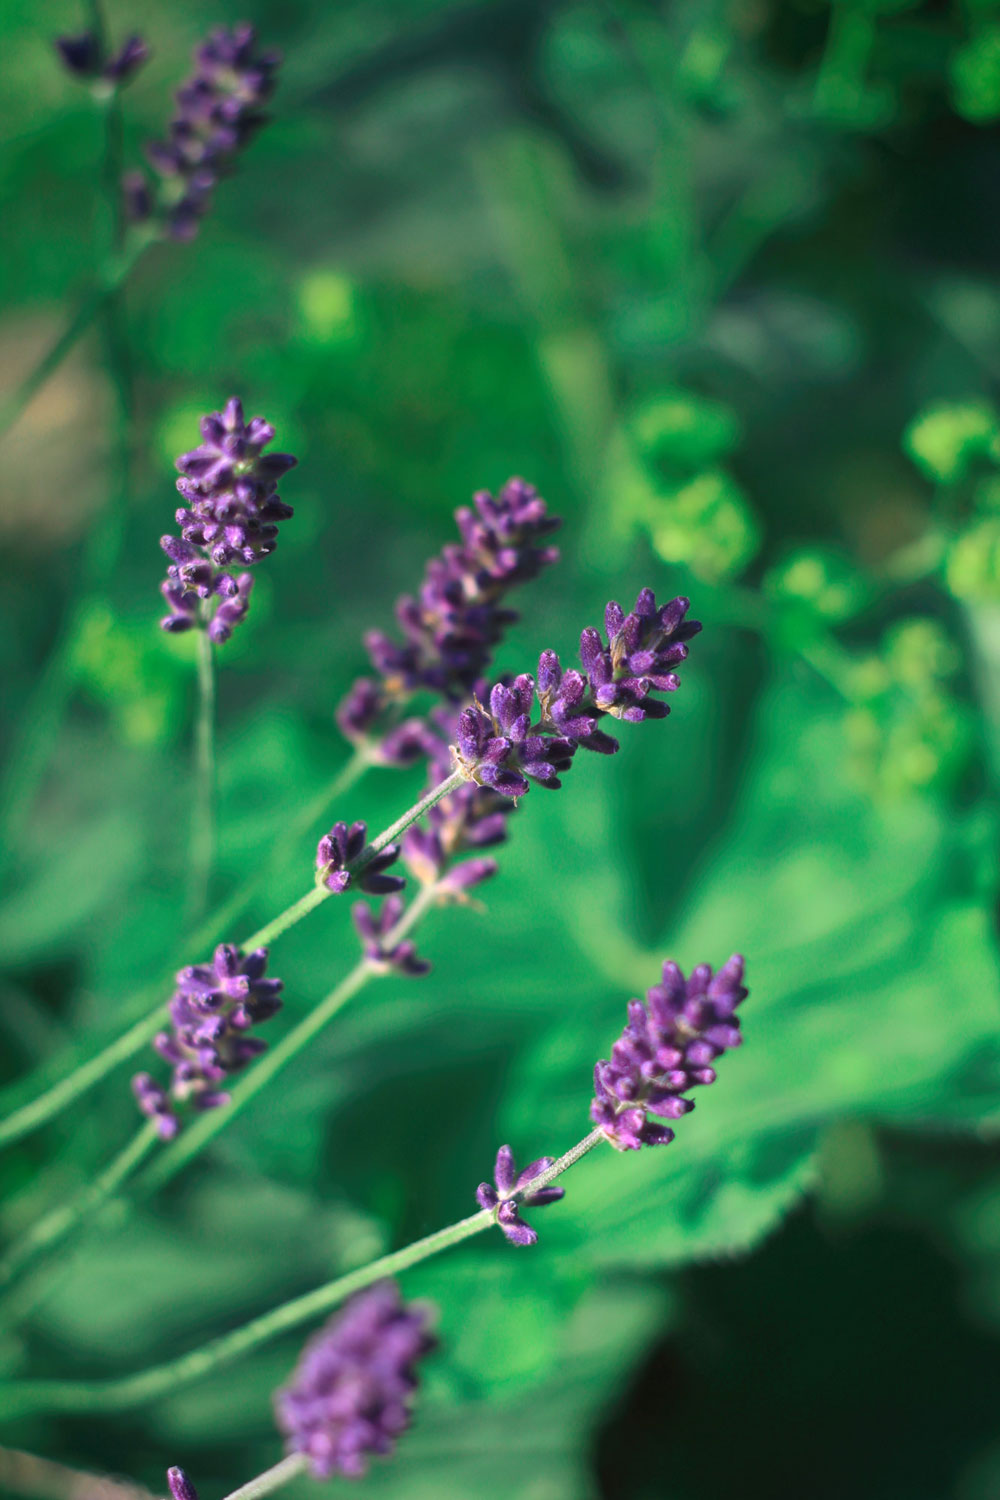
column 218, row 110
column 351, row 1395
column 668, row 1047
column 82, row 56
column 374, row 930
column 212, row 1012
column 452, row 624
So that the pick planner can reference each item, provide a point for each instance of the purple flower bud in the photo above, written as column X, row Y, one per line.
column 376, row 939
column 212, row 1010
column 352, row 1391
column 501, row 748
column 231, row 518
column 341, row 849
column 81, row 55
column 180, row 1485
column 127, row 61
column 665, row 1050
column 512, row 1192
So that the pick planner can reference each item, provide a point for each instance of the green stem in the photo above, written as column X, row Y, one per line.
column 58, row 1096
column 204, row 1129
column 54, row 1226
column 202, row 847
column 134, row 1390
column 114, row 278
column 271, row 1479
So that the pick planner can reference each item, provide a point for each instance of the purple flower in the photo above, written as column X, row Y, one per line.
column 82, row 56
column 450, row 628
column 641, row 651
column 501, row 748
column 337, row 857
column 352, row 1391
column 379, row 947
column 180, row 1485
column 667, row 1048
column 510, row 1195
column 218, row 110
column 231, row 516
column 212, row 1011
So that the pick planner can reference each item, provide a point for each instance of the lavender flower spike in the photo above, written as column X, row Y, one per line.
column 180, row 1485
column 231, row 517
column 212, row 1011
column 450, row 628
column 510, row 1195
column 667, row 1047
column 352, row 1390
column 218, row 110
column 341, row 848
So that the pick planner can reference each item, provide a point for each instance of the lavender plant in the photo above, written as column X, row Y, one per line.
column 351, row 1395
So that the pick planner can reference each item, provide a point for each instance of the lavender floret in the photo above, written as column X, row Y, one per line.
column 212, row 1012
column 512, row 1193
column 232, row 516
column 667, row 1048
column 180, row 1485
column 82, row 55
column 373, row 930
column 341, row 848
column 352, row 1391
column 642, row 649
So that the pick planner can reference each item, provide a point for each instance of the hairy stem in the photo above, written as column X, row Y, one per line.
column 134, row 1390
column 271, row 1479
column 59, row 1095
column 201, row 1131
column 202, row 847
column 54, row 1226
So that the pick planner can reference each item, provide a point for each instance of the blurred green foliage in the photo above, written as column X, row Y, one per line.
column 721, row 279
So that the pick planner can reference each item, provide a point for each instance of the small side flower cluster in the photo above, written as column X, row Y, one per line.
column 213, row 1009
column 218, row 110
column 502, row 747
column 452, row 625
column 84, row 56
column 350, row 1396
column 513, row 1192
column 341, row 848
column 667, row 1048
column 231, row 517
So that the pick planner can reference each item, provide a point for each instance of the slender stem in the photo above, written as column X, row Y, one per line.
column 202, row 847
column 134, row 1390
column 201, row 1131
column 271, row 1479
column 390, row 834
column 35, row 1112
column 53, row 1226
column 114, row 277
column 207, row 1126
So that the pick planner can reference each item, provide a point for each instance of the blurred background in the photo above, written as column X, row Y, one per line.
column 721, row 279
